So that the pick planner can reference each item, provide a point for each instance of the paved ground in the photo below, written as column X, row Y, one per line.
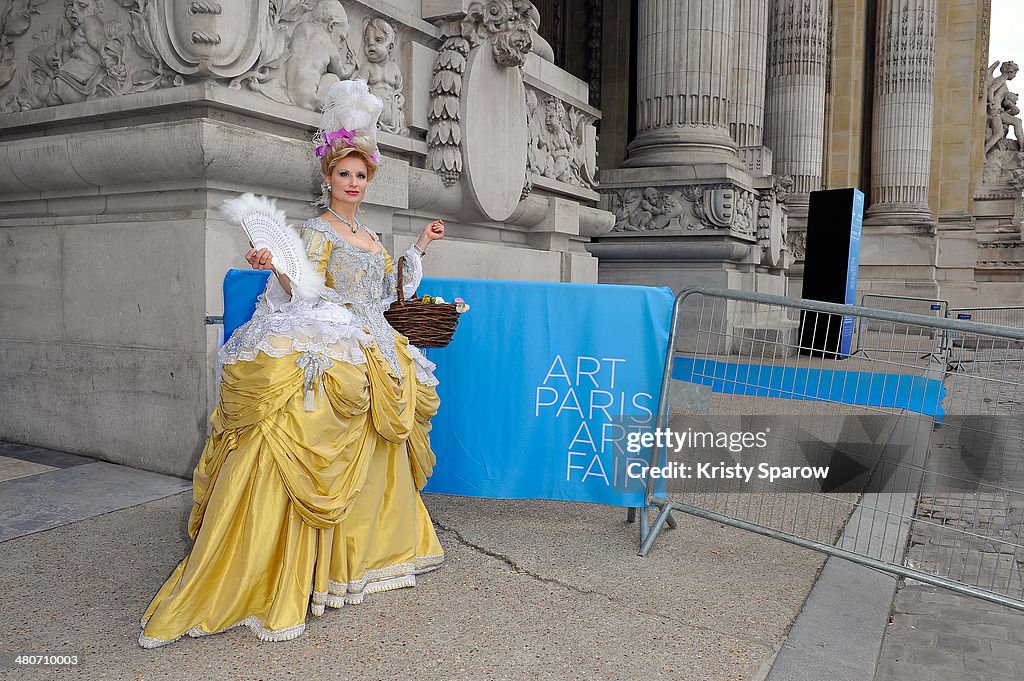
column 970, row 528
column 531, row 590
column 937, row 635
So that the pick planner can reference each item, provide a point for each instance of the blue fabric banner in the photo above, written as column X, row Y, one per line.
column 242, row 288
column 541, row 386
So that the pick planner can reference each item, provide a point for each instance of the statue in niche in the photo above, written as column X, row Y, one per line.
column 558, row 147
column 320, row 56
column 1003, row 112
column 556, row 144
column 85, row 61
column 382, row 73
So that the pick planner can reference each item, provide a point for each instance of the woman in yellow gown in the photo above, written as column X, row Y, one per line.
column 307, row 492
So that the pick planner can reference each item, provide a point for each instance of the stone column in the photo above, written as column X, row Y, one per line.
column 684, row 68
column 903, row 106
column 798, row 53
column 748, row 74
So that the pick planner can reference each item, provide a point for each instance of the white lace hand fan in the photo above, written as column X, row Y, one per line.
column 266, row 227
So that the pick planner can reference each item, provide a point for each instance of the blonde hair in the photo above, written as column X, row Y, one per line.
column 339, row 152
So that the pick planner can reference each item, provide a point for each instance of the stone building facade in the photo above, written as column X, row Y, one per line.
column 125, row 123
column 727, row 115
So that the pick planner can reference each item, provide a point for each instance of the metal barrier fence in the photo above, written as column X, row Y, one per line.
column 873, row 333
column 896, row 463
column 967, row 347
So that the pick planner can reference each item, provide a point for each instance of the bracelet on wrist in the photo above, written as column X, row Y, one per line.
column 422, row 252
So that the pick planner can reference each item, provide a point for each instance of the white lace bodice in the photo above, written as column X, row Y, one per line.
column 349, row 312
column 361, row 280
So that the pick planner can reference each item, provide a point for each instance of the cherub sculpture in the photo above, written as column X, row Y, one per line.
column 320, row 55
column 382, row 73
column 87, row 56
column 556, row 143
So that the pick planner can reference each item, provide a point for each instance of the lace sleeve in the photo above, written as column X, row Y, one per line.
column 318, row 250
column 412, row 274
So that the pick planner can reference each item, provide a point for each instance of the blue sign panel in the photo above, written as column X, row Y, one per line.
column 856, row 224
column 542, row 387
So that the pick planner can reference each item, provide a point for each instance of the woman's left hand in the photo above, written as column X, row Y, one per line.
column 432, row 232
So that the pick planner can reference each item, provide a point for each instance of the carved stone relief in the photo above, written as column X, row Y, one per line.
column 688, row 207
column 84, row 58
column 307, row 52
column 382, row 73
column 15, row 20
column 507, row 27
column 772, row 221
column 212, row 38
column 562, row 141
column 722, row 206
column 650, row 209
column 291, row 51
column 796, row 243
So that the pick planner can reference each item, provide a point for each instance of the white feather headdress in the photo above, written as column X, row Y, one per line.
column 353, row 111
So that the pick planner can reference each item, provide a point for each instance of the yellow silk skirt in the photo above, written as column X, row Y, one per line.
column 295, row 510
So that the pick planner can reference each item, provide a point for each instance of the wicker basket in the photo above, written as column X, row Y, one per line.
column 426, row 325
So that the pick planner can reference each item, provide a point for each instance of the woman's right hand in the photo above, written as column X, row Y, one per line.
column 259, row 260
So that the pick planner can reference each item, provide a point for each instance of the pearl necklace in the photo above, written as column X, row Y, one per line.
column 354, row 228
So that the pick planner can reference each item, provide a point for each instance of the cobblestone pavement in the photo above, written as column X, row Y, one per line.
column 969, row 527
column 938, row 635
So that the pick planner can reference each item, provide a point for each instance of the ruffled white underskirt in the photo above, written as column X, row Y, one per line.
column 278, row 329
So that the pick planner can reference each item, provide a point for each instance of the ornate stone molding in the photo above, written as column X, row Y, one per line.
column 772, row 221
column 983, row 48
column 1001, row 255
column 508, row 27
column 684, row 208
